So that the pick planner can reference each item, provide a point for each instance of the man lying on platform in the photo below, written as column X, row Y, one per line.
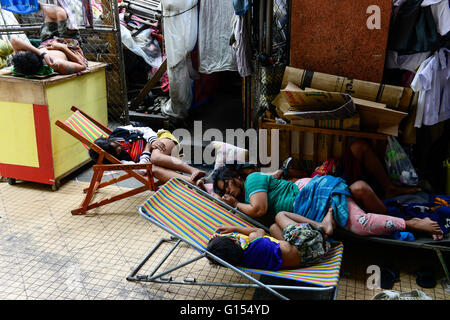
column 59, row 47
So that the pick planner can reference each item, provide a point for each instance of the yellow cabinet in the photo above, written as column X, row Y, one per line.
column 33, row 148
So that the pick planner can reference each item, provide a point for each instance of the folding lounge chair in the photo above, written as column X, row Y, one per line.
column 86, row 129
column 191, row 215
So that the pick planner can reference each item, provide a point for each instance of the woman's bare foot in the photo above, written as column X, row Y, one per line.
column 328, row 224
column 426, row 225
column 197, row 174
column 394, row 191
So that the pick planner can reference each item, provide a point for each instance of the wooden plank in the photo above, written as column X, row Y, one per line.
column 22, row 90
column 150, row 85
column 274, row 125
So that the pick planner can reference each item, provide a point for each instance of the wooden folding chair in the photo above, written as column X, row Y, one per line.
column 86, row 129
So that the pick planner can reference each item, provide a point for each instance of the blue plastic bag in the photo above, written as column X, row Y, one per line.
column 20, row 6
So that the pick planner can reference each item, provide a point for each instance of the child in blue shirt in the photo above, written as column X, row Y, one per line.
column 295, row 242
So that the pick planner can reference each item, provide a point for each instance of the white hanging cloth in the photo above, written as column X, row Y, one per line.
column 180, row 35
column 215, row 29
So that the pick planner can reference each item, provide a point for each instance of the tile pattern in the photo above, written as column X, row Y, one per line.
column 46, row 253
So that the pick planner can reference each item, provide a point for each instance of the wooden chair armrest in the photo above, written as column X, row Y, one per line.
column 111, row 167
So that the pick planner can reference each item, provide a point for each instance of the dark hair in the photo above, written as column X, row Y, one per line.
column 103, row 143
column 222, row 174
column 27, row 62
column 226, row 249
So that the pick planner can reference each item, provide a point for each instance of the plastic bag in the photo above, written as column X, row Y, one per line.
column 398, row 165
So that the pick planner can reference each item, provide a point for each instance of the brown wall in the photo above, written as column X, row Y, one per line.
column 331, row 36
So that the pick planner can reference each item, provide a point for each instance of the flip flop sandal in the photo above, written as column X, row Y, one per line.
column 285, row 166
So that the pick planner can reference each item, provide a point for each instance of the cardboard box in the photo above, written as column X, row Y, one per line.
column 374, row 117
column 293, row 103
column 393, row 96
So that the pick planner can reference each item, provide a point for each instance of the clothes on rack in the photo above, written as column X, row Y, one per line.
column 180, row 35
column 440, row 10
column 242, row 46
column 410, row 62
column 432, row 81
column 413, row 29
column 214, row 31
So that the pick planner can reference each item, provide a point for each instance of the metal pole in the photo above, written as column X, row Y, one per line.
column 261, row 25
column 269, row 32
column 125, row 114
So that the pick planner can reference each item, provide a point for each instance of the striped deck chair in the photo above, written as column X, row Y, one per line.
column 86, row 129
column 192, row 215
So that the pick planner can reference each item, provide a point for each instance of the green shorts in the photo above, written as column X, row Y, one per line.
column 309, row 241
column 49, row 30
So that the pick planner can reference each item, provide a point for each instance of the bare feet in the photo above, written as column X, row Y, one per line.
column 197, row 174
column 426, row 225
column 328, row 224
column 394, row 191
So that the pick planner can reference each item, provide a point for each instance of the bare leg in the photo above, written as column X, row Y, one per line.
column 53, row 13
column 363, row 152
column 283, row 219
column 164, row 174
column 164, row 159
column 366, row 197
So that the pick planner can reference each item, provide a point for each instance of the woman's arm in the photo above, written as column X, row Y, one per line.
column 258, row 204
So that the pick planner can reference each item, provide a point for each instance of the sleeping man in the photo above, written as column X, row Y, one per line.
column 59, row 47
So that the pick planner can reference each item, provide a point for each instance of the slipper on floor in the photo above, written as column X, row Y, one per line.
column 425, row 278
column 388, row 277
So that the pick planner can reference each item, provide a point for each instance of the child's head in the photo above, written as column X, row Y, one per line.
column 227, row 249
column 110, row 146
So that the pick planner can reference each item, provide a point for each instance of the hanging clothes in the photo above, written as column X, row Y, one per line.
column 410, row 62
column 441, row 14
column 180, row 35
column 432, row 81
column 20, row 7
column 241, row 6
column 215, row 29
column 88, row 16
column 74, row 12
column 242, row 46
column 413, row 29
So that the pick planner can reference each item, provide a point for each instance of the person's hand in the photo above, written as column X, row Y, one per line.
column 158, row 145
column 230, row 200
column 55, row 46
column 51, row 62
column 225, row 229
